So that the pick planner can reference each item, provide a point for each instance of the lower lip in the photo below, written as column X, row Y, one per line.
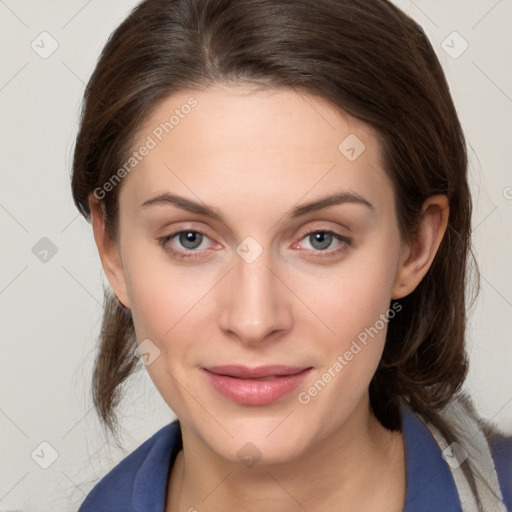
column 256, row 392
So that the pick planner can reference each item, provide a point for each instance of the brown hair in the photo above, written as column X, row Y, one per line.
column 364, row 56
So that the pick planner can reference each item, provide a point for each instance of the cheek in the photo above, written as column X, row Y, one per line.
column 168, row 308
column 347, row 297
column 169, row 302
column 163, row 299
column 355, row 305
column 352, row 296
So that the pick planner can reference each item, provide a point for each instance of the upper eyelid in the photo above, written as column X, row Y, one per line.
column 191, row 221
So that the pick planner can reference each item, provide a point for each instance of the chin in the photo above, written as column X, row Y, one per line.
column 259, row 442
column 262, row 452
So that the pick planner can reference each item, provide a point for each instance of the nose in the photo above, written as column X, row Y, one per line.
column 254, row 301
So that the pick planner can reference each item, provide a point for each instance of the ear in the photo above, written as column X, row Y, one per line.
column 418, row 254
column 108, row 250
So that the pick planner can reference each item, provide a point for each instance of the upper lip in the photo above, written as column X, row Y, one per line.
column 245, row 372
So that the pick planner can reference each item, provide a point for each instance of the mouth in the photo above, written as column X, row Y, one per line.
column 261, row 385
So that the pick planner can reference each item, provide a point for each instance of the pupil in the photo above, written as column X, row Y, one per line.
column 322, row 237
column 189, row 237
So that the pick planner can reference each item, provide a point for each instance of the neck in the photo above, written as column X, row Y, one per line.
column 333, row 474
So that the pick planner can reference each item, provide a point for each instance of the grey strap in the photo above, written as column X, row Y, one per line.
column 474, row 446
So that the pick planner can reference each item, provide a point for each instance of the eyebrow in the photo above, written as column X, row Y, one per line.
column 209, row 211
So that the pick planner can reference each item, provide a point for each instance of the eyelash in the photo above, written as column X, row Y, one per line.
column 346, row 243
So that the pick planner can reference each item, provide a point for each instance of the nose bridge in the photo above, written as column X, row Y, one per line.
column 256, row 305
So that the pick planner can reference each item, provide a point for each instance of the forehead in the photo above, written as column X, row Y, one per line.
column 272, row 144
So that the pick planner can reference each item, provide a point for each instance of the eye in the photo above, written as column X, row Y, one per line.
column 192, row 240
column 320, row 240
column 189, row 239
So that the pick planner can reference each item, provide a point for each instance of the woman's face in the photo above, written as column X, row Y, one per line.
column 269, row 281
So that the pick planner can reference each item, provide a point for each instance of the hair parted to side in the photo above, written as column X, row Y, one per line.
column 366, row 57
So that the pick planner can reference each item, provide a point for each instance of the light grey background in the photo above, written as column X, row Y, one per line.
column 51, row 310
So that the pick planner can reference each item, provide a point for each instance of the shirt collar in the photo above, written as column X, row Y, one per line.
column 430, row 485
column 150, row 483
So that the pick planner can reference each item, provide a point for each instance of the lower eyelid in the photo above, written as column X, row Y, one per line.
column 344, row 242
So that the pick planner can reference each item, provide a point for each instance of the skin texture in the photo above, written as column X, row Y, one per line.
column 254, row 156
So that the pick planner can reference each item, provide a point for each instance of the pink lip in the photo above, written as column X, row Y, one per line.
column 255, row 386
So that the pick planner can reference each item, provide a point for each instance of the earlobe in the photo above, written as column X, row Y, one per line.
column 418, row 254
column 109, row 251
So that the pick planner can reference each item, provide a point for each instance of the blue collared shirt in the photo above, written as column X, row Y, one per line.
column 139, row 482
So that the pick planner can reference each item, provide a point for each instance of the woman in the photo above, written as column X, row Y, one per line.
column 279, row 197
